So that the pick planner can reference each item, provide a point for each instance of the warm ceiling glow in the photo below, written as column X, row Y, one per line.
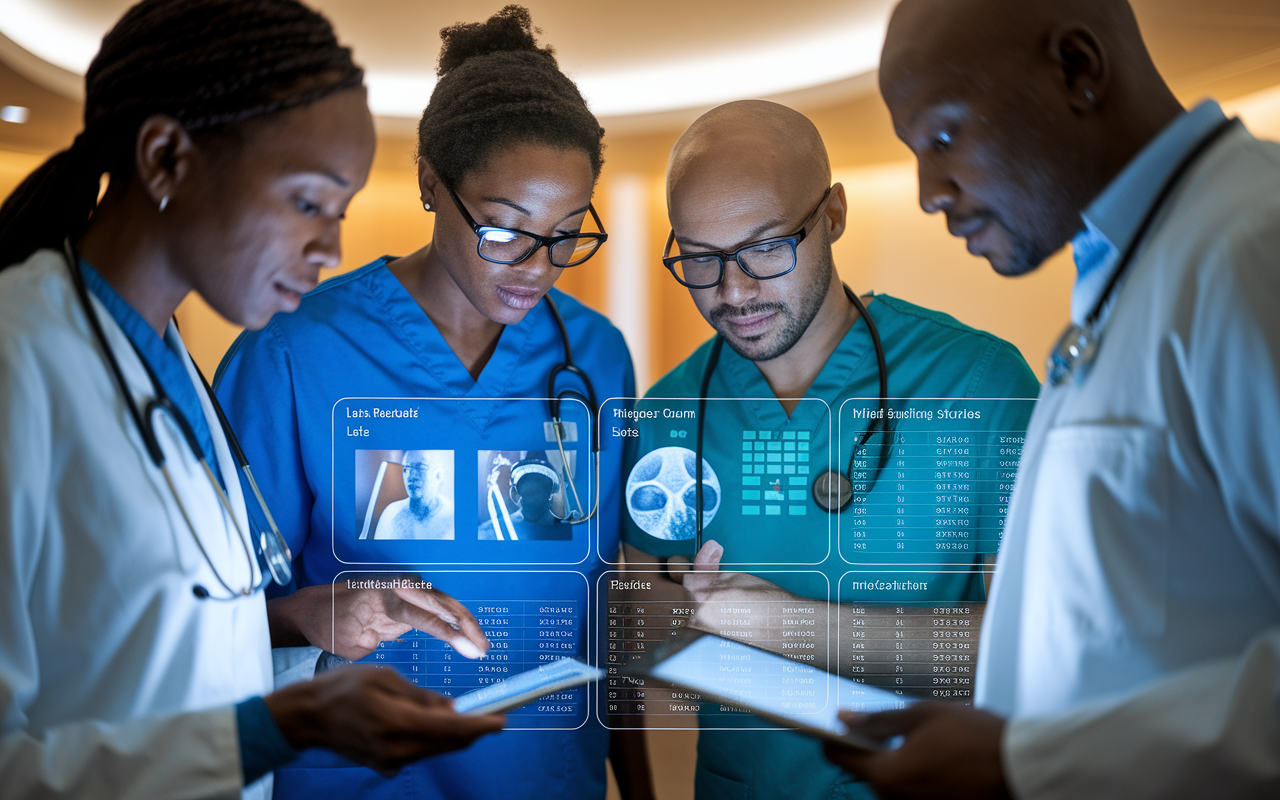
column 69, row 41
column 813, row 61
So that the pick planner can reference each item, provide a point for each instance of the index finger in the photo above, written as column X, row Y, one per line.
column 446, row 619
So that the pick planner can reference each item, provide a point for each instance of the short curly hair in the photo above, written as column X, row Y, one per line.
column 497, row 88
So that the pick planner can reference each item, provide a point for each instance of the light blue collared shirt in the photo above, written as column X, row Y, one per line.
column 1112, row 220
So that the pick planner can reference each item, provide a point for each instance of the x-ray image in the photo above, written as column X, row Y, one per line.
column 404, row 494
column 525, row 495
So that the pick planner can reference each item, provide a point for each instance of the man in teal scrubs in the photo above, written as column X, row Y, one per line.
column 754, row 214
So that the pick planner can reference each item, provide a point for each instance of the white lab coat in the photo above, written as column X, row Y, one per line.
column 115, row 680
column 1133, row 634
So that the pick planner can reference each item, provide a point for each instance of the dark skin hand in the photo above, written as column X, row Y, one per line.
column 950, row 752
column 351, row 622
column 374, row 717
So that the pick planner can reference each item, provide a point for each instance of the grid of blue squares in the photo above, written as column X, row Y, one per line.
column 775, row 470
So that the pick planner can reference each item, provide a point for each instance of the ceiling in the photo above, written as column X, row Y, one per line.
column 629, row 58
column 652, row 63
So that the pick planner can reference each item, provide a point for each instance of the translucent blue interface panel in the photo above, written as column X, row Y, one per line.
column 880, row 634
column 935, row 483
column 758, row 469
column 638, row 618
column 447, row 481
column 530, row 619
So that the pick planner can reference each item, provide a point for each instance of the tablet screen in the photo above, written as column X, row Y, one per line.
column 770, row 685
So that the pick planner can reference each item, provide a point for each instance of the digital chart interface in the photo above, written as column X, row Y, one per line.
column 577, row 540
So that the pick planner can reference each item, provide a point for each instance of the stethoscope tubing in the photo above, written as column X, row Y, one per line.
column 713, row 359
column 1087, row 332
column 162, row 403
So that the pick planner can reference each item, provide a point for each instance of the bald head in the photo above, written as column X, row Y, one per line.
column 983, row 36
column 742, row 174
column 1020, row 112
column 751, row 144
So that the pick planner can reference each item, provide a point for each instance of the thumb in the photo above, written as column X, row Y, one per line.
column 708, row 558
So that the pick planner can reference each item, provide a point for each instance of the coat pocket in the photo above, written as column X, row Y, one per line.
column 1098, row 548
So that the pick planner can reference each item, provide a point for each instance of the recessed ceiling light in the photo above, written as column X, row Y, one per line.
column 16, row 114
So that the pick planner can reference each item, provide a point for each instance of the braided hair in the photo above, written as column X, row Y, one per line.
column 209, row 64
column 497, row 87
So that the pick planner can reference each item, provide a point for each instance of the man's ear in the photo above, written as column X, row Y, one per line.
column 1084, row 67
column 837, row 212
column 429, row 185
column 163, row 158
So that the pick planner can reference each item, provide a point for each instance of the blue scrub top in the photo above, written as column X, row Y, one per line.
column 287, row 390
column 800, row 548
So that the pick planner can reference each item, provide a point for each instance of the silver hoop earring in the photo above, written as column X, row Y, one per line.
column 164, row 203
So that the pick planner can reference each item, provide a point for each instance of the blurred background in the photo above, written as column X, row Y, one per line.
column 648, row 69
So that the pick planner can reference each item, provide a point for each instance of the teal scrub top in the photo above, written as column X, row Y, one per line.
column 767, row 522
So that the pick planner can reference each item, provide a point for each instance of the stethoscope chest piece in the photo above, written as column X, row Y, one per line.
column 832, row 491
column 1074, row 350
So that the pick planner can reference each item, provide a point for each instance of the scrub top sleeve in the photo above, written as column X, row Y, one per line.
column 255, row 385
column 1005, row 374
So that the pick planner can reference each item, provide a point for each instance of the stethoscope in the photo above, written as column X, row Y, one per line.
column 554, row 400
column 832, row 490
column 269, row 548
column 1078, row 345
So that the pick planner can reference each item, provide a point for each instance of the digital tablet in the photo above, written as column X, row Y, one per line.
column 555, row 676
column 786, row 692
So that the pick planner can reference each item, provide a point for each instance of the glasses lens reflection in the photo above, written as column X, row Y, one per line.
column 768, row 260
column 572, row 252
column 698, row 271
column 505, row 246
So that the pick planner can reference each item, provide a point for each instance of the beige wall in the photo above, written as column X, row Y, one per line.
column 890, row 245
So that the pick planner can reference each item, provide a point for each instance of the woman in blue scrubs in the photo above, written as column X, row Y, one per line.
column 406, row 385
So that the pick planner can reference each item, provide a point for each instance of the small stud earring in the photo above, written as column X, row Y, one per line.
column 164, row 203
column 426, row 206
column 1088, row 95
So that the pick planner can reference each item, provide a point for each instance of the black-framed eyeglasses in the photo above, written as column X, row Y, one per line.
column 511, row 246
column 762, row 260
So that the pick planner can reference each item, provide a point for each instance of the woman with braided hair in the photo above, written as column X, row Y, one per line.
column 134, row 644
column 464, row 333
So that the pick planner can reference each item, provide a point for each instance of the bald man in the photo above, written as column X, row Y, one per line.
column 1133, row 636
column 427, row 512
column 754, row 214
